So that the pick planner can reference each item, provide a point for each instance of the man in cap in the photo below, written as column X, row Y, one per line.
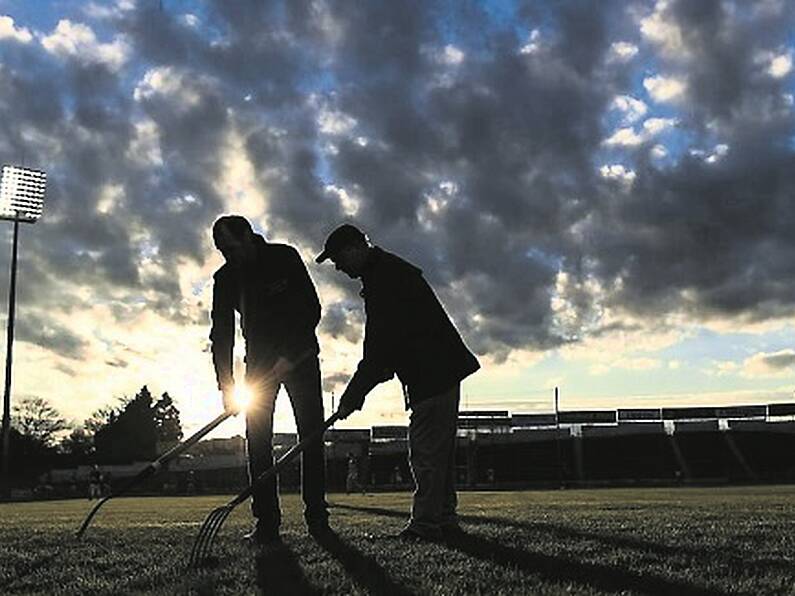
column 269, row 286
column 408, row 333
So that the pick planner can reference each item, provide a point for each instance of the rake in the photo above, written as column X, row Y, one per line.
column 202, row 547
column 152, row 468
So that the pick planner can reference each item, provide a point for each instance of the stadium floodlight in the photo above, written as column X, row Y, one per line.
column 22, row 193
column 21, row 200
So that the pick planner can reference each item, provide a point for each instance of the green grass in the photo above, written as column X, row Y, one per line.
column 677, row 541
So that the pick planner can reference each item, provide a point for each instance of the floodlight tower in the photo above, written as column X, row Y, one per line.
column 21, row 200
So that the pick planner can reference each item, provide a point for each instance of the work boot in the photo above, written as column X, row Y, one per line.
column 317, row 525
column 420, row 533
column 452, row 531
column 260, row 537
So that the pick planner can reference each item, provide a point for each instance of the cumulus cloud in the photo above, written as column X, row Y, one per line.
column 533, row 44
column 650, row 129
column 78, row 41
column 342, row 320
column 8, row 30
column 662, row 29
column 617, row 172
column 451, row 55
column 762, row 364
column 781, row 65
column 633, row 109
column 543, row 194
column 663, row 89
column 622, row 51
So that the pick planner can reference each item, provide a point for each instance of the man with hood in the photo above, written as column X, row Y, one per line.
column 268, row 285
column 408, row 333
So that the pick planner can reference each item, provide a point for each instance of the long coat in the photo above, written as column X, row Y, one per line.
column 408, row 333
column 278, row 305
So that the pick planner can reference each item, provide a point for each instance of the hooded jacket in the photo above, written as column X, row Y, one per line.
column 278, row 305
column 408, row 333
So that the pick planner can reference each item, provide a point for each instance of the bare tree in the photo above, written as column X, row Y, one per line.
column 36, row 418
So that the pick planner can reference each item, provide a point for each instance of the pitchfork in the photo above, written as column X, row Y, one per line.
column 203, row 545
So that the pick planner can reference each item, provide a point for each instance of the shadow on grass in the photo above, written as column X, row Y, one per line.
column 363, row 569
column 563, row 532
column 279, row 572
column 613, row 540
column 628, row 542
column 556, row 569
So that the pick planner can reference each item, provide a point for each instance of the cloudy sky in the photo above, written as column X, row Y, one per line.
column 602, row 193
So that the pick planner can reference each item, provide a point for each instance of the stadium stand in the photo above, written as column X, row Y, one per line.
column 499, row 449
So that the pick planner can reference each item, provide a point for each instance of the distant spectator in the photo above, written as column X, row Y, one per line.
column 190, row 487
column 94, row 483
column 352, row 481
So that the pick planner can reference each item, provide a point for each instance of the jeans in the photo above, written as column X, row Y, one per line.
column 303, row 387
column 432, row 442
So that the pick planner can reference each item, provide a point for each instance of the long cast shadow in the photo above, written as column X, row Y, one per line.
column 363, row 569
column 619, row 541
column 279, row 572
column 558, row 569
column 603, row 537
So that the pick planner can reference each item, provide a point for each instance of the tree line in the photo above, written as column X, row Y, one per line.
column 134, row 429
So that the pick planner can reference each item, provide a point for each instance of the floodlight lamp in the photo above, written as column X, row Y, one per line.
column 22, row 193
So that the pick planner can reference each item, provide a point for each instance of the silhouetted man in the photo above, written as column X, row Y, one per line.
column 408, row 333
column 279, row 309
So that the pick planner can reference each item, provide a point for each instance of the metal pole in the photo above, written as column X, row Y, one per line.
column 9, row 351
column 557, row 441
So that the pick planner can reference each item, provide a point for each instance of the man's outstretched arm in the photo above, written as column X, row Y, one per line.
column 222, row 340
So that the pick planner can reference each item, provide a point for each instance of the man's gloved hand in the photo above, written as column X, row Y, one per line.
column 349, row 403
column 230, row 403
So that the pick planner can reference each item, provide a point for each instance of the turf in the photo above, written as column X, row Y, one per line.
column 677, row 541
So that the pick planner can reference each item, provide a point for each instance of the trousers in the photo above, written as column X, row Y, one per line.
column 432, row 441
column 303, row 388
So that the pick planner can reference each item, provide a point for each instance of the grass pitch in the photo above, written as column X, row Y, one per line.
column 678, row 541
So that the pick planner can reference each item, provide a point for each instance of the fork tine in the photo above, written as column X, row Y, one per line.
column 209, row 534
column 219, row 520
column 192, row 561
column 198, row 545
column 209, row 537
column 197, row 554
column 202, row 547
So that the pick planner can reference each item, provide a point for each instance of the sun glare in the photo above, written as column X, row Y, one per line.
column 242, row 396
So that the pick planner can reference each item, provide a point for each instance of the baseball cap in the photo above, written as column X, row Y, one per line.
column 341, row 237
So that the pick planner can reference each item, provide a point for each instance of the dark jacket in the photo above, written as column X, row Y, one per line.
column 408, row 333
column 278, row 305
